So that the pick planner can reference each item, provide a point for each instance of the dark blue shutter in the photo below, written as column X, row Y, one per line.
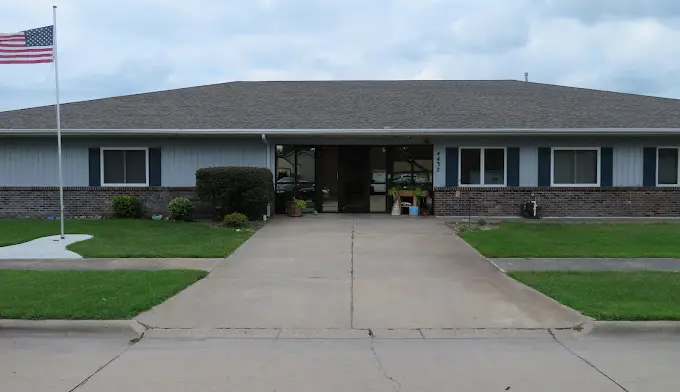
column 544, row 166
column 452, row 166
column 649, row 166
column 513, row 166
column 606, row 166
column 154, row 167
column 95, row 173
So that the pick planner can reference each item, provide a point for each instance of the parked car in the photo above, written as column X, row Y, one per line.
column 406, row 179
column 285, row 184
column 301, row 190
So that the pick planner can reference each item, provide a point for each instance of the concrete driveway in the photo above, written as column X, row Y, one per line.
column 356, row 272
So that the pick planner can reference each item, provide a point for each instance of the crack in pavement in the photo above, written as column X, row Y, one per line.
column 132, row 343
column 586, row 361
column 396, row 385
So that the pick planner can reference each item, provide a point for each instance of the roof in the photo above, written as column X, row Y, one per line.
column 360, row 105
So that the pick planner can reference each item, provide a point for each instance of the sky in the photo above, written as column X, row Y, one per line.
column 116, row 47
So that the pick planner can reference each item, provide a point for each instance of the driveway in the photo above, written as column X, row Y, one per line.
column 355, row 272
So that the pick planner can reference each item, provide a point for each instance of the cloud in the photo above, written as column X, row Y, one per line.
column 594, row 11
column 119, row 47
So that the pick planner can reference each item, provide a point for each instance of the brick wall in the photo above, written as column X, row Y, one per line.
column 87, row 201
column 559, row 202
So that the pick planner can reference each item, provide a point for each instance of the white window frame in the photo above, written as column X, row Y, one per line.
column 552, row 165
column 677, row 175
column 481, row 167
column 101, row 165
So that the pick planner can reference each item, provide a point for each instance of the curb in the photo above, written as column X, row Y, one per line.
column 611, row 328
column 129, row 328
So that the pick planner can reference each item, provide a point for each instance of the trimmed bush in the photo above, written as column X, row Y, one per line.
column 127, row 207
column 181, row 209
column 235, row 220
column 247, row 190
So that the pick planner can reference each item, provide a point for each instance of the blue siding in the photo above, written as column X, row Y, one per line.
column 627, row 165
column 33, row 161
column 528, row 166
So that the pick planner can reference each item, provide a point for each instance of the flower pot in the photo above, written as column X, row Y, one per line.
column 293, row 209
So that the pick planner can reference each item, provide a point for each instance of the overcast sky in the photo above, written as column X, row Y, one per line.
column 115, row 47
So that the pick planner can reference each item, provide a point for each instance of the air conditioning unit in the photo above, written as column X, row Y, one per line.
column 530, row 209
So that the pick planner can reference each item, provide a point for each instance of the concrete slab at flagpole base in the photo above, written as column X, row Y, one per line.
column 52, row 247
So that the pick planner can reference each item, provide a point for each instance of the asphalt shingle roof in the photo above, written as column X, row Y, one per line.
column 360, row 104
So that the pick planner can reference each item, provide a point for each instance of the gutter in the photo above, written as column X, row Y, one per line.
column 349, row 132
column 268, row 151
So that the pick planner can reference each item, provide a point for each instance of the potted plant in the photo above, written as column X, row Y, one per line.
column 295, row 207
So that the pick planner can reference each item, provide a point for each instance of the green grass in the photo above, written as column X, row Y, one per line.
column 131, row 238
column 530, row 240
column 637, row 296
column 87, row 295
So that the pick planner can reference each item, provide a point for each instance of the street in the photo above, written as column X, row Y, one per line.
column 314, row 360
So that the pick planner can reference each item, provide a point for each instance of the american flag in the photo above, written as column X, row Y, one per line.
column 27, row 47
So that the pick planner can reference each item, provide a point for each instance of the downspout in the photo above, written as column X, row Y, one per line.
column 269, row 166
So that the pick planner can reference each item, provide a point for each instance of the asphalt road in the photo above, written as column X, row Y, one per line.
column 530, row 361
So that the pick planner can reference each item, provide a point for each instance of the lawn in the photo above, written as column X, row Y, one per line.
column 639, row 295
column 87, row 295
column 540, row 239
column 131, row 238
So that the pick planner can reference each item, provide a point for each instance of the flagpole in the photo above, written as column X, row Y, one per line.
column 56, row 81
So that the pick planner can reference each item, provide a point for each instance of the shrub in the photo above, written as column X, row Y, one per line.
column 127, row 207
column 181, row 209
column 247, row 190
column 235, row 220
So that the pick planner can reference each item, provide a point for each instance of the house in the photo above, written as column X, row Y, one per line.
column 477, row 148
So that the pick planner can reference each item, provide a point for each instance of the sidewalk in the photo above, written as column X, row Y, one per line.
column 589, row 264
column 110, row 264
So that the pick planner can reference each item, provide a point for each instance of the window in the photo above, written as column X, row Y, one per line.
column 576, row 166
column 125, row 166
column 412, row 166
column 482, row 166
column 667, row 166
